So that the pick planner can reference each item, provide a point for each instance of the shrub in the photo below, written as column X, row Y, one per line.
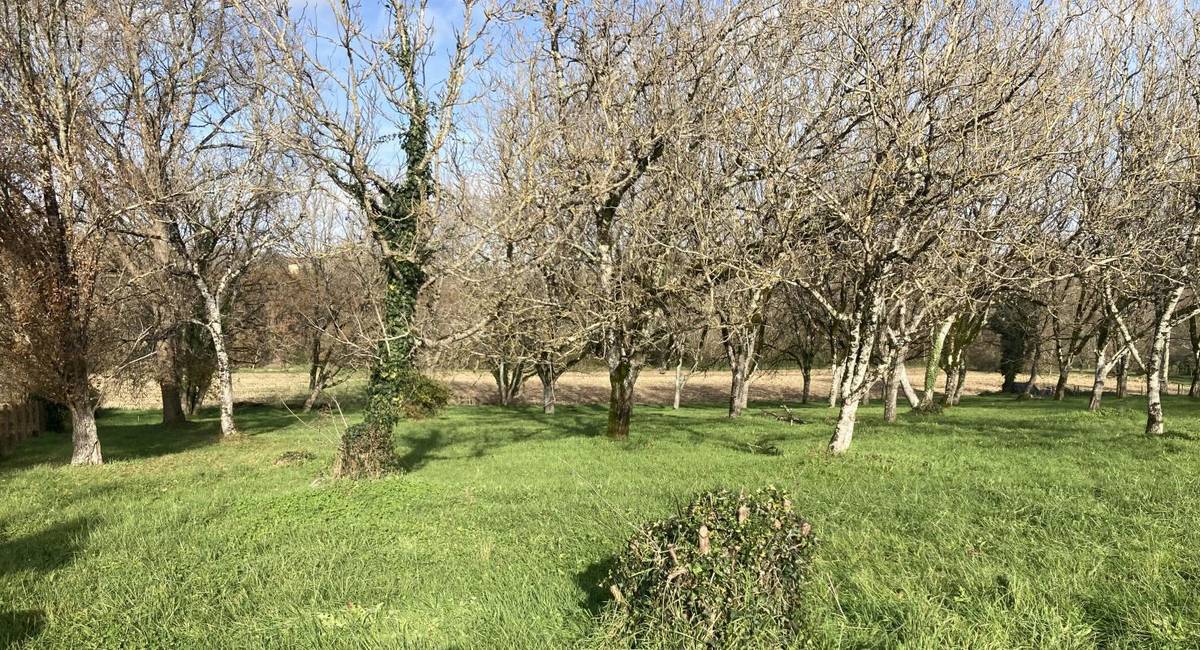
column 727, row 571
column 422, row 396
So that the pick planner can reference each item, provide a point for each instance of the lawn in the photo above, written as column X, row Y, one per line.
column 1000, row 524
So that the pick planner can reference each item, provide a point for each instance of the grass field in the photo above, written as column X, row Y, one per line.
column 997, row 525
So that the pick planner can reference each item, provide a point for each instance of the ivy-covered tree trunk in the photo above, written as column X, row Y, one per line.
column 366, row 448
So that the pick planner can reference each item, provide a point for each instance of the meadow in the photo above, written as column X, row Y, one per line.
column 999, row 524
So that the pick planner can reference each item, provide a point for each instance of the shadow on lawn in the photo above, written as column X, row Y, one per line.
column 132, row 435
column 592, row 582
column 20, row 627
column 479, row 431
column 48, row 550
column 42, row 552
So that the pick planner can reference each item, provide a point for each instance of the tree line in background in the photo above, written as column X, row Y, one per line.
column 190, row 184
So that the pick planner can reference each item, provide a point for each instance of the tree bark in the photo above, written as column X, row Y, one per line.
column 679, row 381
column 891, row 391
column 224, row 370
column 910, row 393
column 962, row 383
column 314, row 393
column 1060, row 388
column 1031, row 385
column 1194, row 339
column 739, row 389
column 510, row 379
column 85, row 442
column 952, row 378
column 621, row 377
column 547, row 395
column 1156, row 365
column 1123, row 378
column 806, row 389
column 844, row 431
column 168, row 382
column 835, row 387
column 933, row 363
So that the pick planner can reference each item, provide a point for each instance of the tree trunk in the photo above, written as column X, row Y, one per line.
column 224, row 373
column 739, row 388
column 933, row 363
column 679, row 381
column 891, row 391
column 548, row 374
column 1194, row 339
column 844, row 430
column 835, row 387
column 1123, row 377
column 314, row 392
column 621, row 377
column 952, row 378
column 548, row 396
column 1154, row 411
column 1156, row 365
column 510, row 378
column 1031, row 385
column 910, row 393
column 314, row 361
column 806, row 389
column 857, row 378
column 168, row 382
column 85, row 442
column 1060, row 388
column 1098, row 383
column 962, row 383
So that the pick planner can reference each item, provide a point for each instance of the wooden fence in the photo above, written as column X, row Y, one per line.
column 19, row 421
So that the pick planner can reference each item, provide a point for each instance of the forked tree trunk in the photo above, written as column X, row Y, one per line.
column 622, row 376
column 168, row 382
column 510, row 378
column 1097, row 388
column 858, row 364
column 1154, row 411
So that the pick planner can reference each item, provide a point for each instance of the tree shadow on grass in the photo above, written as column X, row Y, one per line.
column 591, row 581
column 47, row 550
column 19, row 627
column 41, row 552
column 476, row 432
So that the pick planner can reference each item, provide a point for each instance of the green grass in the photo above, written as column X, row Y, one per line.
column 998, row 525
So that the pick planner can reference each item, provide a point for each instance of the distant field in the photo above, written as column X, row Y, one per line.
column 654, row 386
column 1000, row 524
